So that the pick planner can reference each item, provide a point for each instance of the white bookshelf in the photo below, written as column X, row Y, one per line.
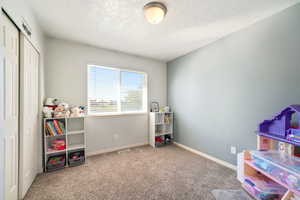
column 74, row 137
column 160, row 125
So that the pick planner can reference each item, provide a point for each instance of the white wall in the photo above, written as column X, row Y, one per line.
column 65, row 76
column 17, row 10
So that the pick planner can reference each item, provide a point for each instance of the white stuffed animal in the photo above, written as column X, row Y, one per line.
column 47, row 111
column 76, row 112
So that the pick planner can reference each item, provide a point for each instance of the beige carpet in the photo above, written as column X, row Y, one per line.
column 142, row 173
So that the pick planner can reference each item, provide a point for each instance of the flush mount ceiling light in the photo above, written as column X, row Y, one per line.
column 155, row 12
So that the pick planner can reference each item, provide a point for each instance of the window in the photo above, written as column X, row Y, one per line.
column 116, row 91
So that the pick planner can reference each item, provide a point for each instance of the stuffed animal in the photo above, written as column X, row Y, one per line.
column 47, row 111
column 60, row 111
column 83, row 110
column 64, row 104
column 57, row 101
column 76, row 112
column 49, row 102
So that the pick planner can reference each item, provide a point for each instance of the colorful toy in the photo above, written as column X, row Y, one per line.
column 281, row 127
column 61, row 111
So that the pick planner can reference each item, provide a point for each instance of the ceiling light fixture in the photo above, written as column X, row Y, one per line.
column 155, row 12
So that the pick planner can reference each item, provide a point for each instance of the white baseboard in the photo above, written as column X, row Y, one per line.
column 221, row 162
column 115, row 149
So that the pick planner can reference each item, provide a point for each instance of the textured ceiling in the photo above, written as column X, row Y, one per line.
column 120, row 24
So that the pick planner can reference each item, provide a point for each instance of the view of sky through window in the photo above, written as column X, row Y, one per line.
column 114, row 90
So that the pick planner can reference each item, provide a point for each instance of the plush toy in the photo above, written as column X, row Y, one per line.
column 83, row 110
column 76, row 112
column 47, row 111
column 64, row 104
column 60, row 111
column 57, row 101
column 49, row 102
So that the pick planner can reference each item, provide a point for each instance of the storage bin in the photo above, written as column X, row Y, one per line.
column 159, row 141
column 76, row 157
column 168, row 139
column 55, row 162
column 263, row 188
column 283, row 167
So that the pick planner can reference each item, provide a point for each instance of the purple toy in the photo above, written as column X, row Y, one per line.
column 280, row 127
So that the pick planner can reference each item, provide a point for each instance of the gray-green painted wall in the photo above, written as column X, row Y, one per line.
column 220, row 93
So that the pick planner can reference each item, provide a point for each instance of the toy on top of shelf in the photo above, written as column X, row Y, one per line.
column 154, row 106
column 61, row 111
column 77, row 111
column 55, row 107
column 281, row 125
column 48, row 112
column 165, row 109
column 50, row 101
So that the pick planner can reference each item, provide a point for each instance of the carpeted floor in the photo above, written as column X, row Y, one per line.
column 142, row 173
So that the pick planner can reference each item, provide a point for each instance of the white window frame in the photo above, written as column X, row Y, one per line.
column 145, row 94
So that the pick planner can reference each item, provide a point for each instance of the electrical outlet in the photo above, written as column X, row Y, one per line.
column 233, row 150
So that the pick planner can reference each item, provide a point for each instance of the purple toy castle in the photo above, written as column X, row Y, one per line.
column 280, row 128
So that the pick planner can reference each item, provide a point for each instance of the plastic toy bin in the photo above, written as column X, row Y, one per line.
column 263, row 188
column 76, row 157
column 56, row 161
column 283, row 167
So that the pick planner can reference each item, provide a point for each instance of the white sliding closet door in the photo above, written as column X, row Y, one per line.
column 9, row 109
column 29, row 115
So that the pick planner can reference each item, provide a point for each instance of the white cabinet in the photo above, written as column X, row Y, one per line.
column 64, row 142
column 161, row 128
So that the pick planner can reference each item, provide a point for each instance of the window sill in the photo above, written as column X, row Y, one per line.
column 116, row 114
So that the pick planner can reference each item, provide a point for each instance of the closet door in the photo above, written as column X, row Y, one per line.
column 28, row 115
column 9, row 109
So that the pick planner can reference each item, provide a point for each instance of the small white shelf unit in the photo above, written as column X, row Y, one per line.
column 160, row 128
column 74, row 137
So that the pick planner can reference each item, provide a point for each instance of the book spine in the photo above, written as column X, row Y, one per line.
column 61, row 125
column 48, row 133
column 49, row 129
column 53, row 128
column 58, row 130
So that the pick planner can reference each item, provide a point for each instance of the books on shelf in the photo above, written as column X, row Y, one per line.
column 55, row 128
